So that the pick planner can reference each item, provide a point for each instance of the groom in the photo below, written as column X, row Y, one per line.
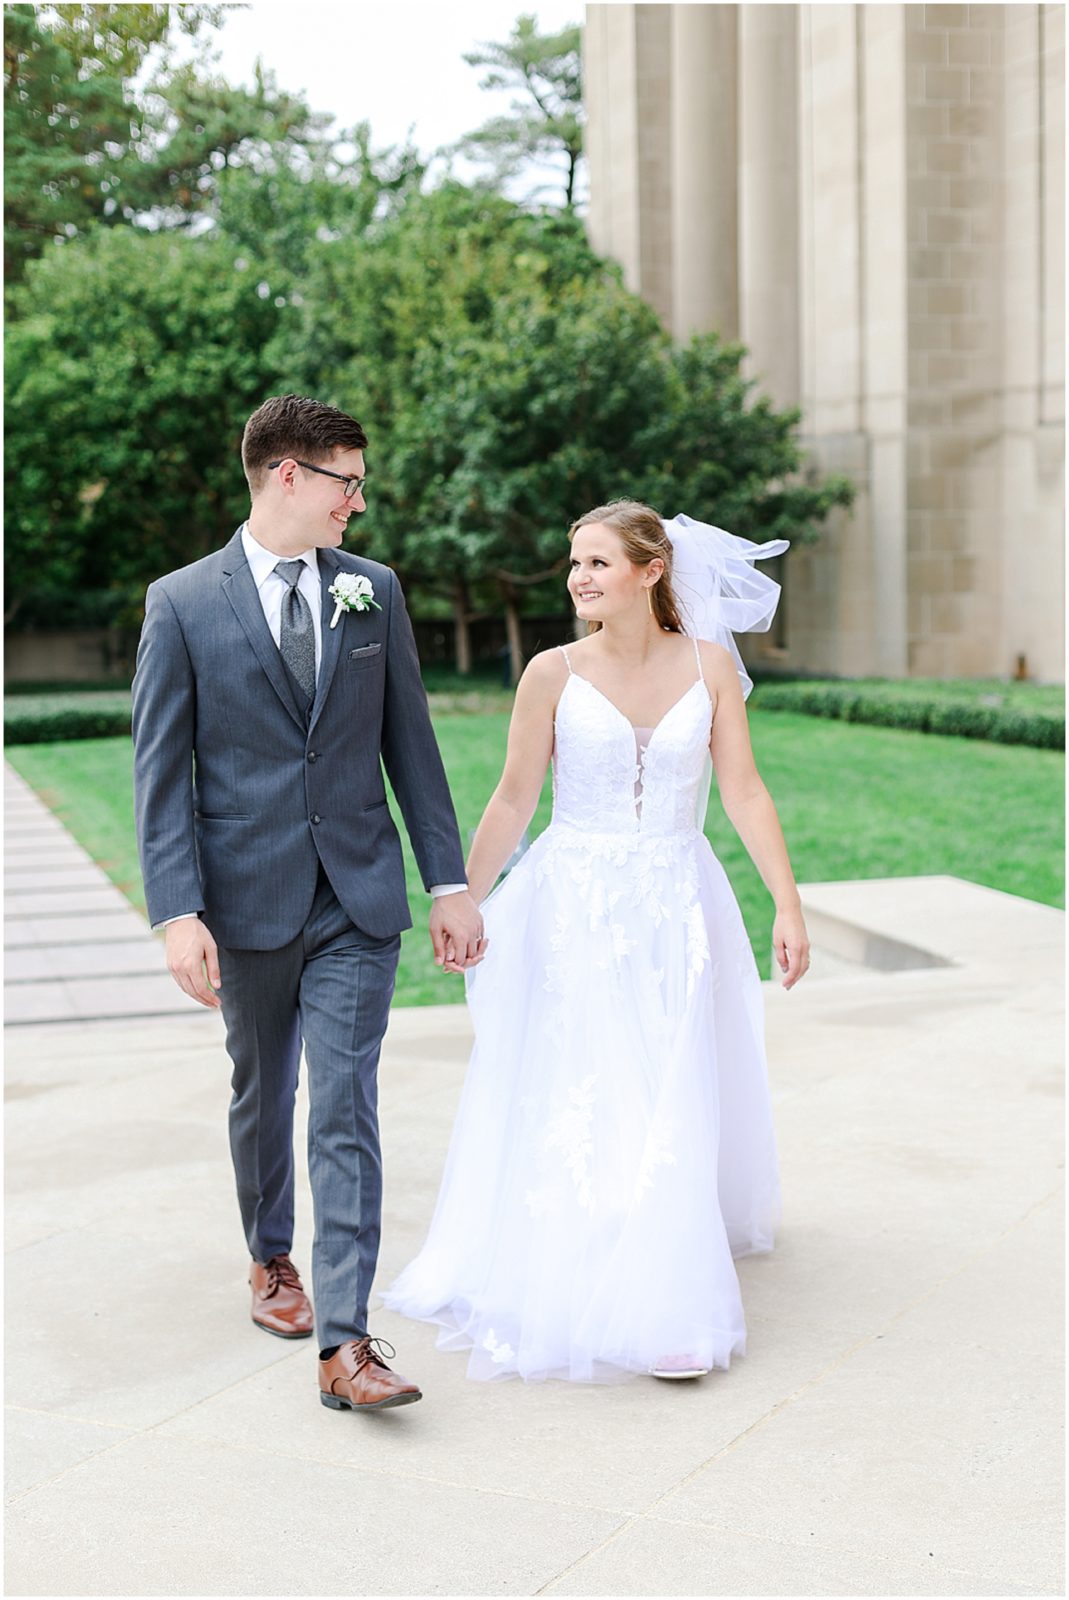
column 262, row 722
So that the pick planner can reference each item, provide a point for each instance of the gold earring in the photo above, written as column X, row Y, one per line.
column 649, row 599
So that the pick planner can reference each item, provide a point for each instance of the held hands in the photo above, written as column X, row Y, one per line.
column 790, row 942
column 193, row 960
column 457, row 932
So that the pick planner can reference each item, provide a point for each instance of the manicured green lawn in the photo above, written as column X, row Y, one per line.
column 855, row 802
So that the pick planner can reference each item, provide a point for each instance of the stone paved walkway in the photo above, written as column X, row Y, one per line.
column 74, row 947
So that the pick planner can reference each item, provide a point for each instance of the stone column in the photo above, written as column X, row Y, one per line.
column 653, row 99
column 1051, row 70
column 704, row 169
column 832, row 586
column 884, row 312
column 828, row 51
column 626, row 69
column 612, row 135
column 1028, row 531
column 768, row 198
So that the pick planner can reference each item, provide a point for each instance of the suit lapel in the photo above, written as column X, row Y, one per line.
column 331, row 638
column 240, row 590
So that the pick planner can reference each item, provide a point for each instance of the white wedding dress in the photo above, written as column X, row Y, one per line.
column 613, row 1148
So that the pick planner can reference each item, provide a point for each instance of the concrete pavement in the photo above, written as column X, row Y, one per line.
column 893, row 1428
column 74, row 947
column 888, row 1432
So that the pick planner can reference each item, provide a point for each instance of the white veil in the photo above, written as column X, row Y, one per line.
column 719, row 590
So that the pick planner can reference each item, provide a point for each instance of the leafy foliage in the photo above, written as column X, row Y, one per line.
column 132, row 364
column 196, row 128
column 295, row 198
column 546, row 116
column 512, row 382
column 416, row 330
column 83, row 148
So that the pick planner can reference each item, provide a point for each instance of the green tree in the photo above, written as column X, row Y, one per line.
column 83, row 148
column 197, row 129
column 293, row 198
column 400, row 331
column 544, row 70
column 509, row 382
column 132, row 364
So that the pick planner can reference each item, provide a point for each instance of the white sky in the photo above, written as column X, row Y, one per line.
column 396, row 64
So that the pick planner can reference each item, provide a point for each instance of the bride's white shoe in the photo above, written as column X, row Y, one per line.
column 678, row 1367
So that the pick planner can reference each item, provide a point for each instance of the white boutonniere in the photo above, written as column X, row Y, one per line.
column 353, row 592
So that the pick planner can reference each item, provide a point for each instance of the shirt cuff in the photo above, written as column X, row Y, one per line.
column 185, row 917
column 448, row 888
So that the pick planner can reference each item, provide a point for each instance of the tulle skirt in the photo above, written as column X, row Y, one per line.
column 613, row 1149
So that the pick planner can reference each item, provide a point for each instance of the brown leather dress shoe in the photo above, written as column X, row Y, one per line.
column 357, row 1379
column 279, row 1303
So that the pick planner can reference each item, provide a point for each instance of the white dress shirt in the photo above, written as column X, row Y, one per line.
column 272, row 591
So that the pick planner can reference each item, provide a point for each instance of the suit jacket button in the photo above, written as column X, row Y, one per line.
column 316, row 817
column 312, row 755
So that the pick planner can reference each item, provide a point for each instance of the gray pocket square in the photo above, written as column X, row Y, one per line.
column 365, row 650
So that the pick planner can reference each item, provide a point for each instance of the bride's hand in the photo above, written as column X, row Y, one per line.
column 456, row 930
column 790, row 942
column 451, row 962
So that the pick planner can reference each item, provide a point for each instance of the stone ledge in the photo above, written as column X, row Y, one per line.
column 900, row 924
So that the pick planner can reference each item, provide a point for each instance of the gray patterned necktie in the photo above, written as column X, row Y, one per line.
column 297, row 642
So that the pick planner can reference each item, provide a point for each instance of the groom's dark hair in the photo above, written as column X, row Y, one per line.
column 293, row 425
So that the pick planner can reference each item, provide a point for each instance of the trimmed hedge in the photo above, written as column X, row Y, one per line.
column 893, row 706
column 98, row 714
column 45, row 718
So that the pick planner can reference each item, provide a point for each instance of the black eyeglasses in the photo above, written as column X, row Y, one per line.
column 352, row 485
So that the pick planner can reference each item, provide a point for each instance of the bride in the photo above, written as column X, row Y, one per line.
column 614, row 1149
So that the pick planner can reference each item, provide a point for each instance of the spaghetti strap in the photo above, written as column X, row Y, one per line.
column 564, row 653
column 698, row 659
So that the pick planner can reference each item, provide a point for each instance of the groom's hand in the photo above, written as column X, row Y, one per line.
column 457, row 932
column 193, row 960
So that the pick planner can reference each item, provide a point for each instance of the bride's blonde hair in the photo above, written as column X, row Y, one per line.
column 641, row 532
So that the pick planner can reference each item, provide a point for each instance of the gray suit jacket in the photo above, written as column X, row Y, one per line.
column 240, row 791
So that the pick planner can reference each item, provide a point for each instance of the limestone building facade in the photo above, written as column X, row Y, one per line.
column 872, row 199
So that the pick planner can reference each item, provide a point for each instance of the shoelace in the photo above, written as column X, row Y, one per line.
column 363, row 1353
column 281, row 1273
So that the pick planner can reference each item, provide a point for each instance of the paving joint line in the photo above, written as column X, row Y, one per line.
column 102, row 1016
column 589, row 1555
column 649, row 1513
column 46, row 1483
column 55, row 1050
column 132, row 1433
column 379, row 1472
column 17, row 919
column 85, row 977
column 120, row 1209
column 62, row 944
column 65, row 1416
column 384, row 1472
column 793, row 1544
column 55, row 865
column 848, row 1355
column 944, row 1569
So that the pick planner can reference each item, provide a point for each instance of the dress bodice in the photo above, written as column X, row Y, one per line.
column 610, row 777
